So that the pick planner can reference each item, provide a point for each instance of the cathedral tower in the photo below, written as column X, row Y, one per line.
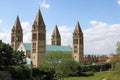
column 16, row 34
column 38, row 40
column 78, row 44
column 56, row 38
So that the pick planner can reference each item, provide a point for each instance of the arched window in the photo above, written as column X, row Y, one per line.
column 12, row 39
column 41, row 36
column 19, row 31
column 75, row 41
column 34, row 36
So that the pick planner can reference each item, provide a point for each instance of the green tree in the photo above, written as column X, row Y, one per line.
column 115, row 62
column 42, row 72
column 116, row 58
column 58, row 57
column 68, row 68
column 62, row 64
column 9, row 57
column 19, row 72
column 114, row 74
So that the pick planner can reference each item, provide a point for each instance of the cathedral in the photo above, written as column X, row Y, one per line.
column 37, row 49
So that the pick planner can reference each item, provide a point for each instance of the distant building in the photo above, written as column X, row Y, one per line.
column 37, row 49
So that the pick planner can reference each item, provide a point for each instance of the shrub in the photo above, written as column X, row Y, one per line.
column 67, row 68
column 96, row 68
column 43, row 72
column 19, row 72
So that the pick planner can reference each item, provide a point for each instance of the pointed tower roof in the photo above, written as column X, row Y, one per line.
column 39, row 18
column 78, row 28
column 17, row 23
column 56, row 31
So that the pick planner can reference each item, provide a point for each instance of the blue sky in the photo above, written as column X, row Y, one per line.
column 99, row 20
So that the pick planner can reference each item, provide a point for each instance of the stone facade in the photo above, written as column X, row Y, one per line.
column 24, row 47
column 17, row 34
column 78, row 44
column 38, row 40
column 37, row 51
column 56, row 38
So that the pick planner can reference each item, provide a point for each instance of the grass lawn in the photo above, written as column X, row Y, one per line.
column 97, row 76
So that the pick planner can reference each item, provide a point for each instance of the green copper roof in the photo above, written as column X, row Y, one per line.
column 50, row 48
column 27, row 46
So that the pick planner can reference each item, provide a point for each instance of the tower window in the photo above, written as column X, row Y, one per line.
column 12, row 39
column 34, row 50
column 18, row 31
column 75, row 51
column 34, row 45
column 18, row 39
column 53, row 42
column 75, row 46
column 58, row 42
column 75, row 41
column 34, row 36
column 34, row 27
column 42, row 27
column 41, row 37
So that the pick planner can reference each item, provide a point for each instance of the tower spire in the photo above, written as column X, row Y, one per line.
column 16, row 34
column 78, row 28
column 38, row 40
column 56, row 31
column 56, row 38
column 17, row 23
column 39, row 19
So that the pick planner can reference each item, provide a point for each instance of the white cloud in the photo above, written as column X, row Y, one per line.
column 118, row 2
column 1, row 21
column 5, row 34
column 66, row 35
column 5, row 37
column 45, row 5
column 26, row 31
column 48, row 38
column 101, row 38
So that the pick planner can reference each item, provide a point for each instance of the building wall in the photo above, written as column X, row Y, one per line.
column 38, row 40
column 78, row 44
